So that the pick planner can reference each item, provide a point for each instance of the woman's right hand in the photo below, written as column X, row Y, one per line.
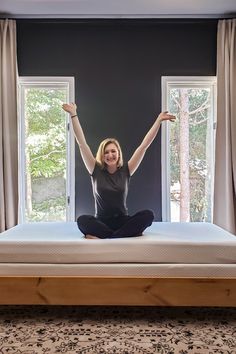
column 70, row 108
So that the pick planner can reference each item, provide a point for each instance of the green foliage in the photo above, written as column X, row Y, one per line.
column 45, row 128
column 50, row 210
column 45, row 132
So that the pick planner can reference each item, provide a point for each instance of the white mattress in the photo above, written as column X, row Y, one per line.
column 62, row 242
column 120, row 270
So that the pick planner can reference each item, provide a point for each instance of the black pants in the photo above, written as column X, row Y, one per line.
column 117, row 226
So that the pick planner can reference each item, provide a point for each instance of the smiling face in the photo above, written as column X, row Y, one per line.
column 111, row 155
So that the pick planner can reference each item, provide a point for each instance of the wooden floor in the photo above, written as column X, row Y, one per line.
column 147, row 291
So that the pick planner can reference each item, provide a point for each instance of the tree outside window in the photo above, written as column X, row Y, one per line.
column 191, row 151
column 44, row 145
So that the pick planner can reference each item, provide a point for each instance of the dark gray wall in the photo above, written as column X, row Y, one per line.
column 117, row 65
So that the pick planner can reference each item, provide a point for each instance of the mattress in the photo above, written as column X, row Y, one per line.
column 163, row 242
column 161, row 270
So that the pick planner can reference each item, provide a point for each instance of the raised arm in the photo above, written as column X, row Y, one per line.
column 139, row 153
column 87, row 156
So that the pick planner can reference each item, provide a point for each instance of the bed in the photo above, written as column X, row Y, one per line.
column 172, row 264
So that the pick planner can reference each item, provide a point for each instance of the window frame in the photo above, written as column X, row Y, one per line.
column 168, row 82
column 40, row 82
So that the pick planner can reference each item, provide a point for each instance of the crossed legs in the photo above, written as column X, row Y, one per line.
column 127, row 226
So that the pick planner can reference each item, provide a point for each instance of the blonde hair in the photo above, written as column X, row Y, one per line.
column 101, row 152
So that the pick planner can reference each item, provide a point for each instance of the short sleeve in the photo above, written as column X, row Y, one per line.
column 95, row 170
column 126, row 169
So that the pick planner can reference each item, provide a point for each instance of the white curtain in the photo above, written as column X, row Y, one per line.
column 8, row 126
column 225, row 162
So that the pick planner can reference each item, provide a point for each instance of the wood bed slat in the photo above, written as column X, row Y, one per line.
column 146, row 291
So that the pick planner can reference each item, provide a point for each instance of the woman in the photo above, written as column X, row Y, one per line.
column 110, row 179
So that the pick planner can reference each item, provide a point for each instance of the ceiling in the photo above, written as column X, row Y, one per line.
column 117, row 8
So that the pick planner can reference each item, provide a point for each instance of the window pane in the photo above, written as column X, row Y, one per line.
column 191, row 150
column 45, row 154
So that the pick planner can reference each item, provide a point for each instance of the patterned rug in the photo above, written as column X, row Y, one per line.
column 116, row 330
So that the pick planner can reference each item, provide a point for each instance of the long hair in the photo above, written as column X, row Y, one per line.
column 101, row 152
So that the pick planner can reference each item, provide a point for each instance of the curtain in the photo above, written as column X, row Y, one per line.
column 8, row 126
column 224, row 213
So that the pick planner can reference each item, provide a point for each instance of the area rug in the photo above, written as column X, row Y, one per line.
column 116, row 330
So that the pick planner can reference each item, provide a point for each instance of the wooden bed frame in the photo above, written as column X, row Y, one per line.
column 131, row 291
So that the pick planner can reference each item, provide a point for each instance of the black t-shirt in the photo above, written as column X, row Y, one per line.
column 110, row 191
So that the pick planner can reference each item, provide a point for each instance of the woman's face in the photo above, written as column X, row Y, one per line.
column 111, row 155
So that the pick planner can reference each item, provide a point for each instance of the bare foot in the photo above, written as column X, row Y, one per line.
column 91, row 237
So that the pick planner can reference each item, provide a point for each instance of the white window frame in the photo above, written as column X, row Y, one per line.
column 167, row 83
column 40, row 82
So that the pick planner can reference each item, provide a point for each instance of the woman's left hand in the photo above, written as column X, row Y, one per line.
column 166, row 116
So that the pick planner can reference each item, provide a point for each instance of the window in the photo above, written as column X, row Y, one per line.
column 188, row 148
column 46, row 150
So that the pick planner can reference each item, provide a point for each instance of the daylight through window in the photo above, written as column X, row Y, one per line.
column 188, row 158
column 44, row 150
